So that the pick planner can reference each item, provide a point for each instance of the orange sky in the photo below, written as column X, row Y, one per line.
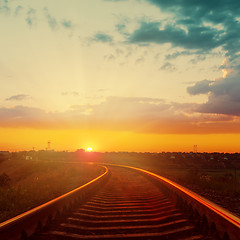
column 26, row 139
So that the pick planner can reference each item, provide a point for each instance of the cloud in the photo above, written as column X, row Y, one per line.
column 137, row 114
column 31, row 17
column 5, row 8
column 221, row 104
column 224, row 97
column 177, row 54
column 140, row 60
column 52, row 22
column 18, row 9
column 102, row 37
column 121, row 27
column 216, row 19
column 198, row 59
column 24, row 116
column 196, row 37
column 74, row 93
column 168, row 67
column 109, row 57
column 19, row 97
column 198, row 27
column 200, row 87
column 67, row 24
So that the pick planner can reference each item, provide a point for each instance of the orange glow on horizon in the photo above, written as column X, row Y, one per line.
column 102, row 141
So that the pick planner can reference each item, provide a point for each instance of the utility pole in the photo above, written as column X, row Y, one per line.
column 49, row 145
column 195, row 148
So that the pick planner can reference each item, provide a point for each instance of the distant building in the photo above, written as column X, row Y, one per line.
column 28, row 157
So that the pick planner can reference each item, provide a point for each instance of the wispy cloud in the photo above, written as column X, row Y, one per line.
column 102, row 37
column 168, row 67
column 109, row 57
column 140, row 60
column 19, row 97
column 74, row 93
column 67, row 24
column 4, row 8
column 52, row 22
column 18, row 10
column 31, row 17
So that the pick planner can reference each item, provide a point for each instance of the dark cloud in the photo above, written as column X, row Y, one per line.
column 223, row 93
column 220, row 104
column 213, row 10
column 19, row 97
column 196, row 37
column 221, row 16
column 102, row 37
column 200, row 87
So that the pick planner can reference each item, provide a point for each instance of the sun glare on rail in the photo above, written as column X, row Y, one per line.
column 89, row 149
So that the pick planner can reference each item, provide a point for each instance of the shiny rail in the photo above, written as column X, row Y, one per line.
column 25, row 224
column 211, row 218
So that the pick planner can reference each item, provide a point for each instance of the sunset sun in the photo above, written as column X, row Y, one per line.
column 89, row 149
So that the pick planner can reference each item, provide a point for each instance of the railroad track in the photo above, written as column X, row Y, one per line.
column 129, row 203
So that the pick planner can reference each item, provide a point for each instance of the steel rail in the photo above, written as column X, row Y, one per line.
column 207, row 213
column 29, row 222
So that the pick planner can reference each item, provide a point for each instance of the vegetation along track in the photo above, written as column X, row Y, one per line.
column 136, row 204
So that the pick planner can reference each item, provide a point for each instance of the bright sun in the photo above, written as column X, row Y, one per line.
column 89, row 149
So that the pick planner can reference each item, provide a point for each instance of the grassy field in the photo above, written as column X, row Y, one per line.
column 222, row 181
column 26, row 184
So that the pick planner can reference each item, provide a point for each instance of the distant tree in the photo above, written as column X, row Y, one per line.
column 4, row 180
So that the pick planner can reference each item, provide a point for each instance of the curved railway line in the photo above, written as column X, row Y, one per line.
column 125, row 203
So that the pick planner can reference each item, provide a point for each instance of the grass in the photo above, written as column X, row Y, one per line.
column 217, row 180
column 220, row 181
column 34, row 182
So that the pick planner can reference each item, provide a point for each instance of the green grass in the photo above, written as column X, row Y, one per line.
column 34, row 182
